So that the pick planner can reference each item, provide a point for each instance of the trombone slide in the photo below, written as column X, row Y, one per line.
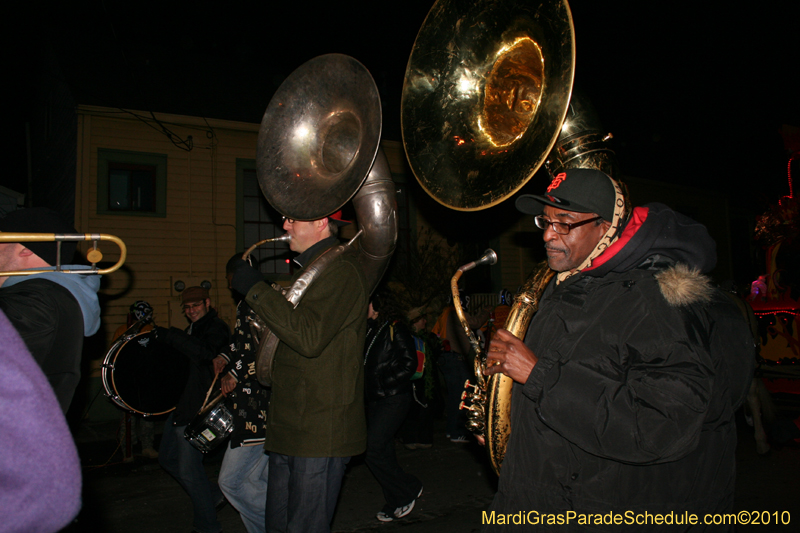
column 94, row 256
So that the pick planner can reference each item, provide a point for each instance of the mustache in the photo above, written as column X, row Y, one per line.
column 550, row 247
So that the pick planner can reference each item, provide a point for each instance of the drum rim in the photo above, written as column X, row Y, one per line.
column 108, row 369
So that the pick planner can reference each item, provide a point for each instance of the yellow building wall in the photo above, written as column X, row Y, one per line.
column 197, row 235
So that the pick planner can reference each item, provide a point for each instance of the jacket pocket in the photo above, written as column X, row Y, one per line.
column 288, row 402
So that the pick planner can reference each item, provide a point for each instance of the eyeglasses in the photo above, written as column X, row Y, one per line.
column 192, row 306
column 289, row 220
column 562, row 228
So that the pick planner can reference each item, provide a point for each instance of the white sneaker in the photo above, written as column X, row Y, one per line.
column 400, row 512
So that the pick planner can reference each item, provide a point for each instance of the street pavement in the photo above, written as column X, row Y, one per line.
column 140, row 497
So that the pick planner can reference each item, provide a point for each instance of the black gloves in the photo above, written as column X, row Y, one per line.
column 244, row 277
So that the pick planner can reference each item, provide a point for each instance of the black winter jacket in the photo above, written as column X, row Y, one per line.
column 630, row 407
column 49, row 319
column 200, row 343
column 388, row 364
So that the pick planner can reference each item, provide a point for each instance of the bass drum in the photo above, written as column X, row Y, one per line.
column 144, row 376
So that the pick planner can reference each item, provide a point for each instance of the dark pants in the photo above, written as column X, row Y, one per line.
column 384, row 418
column 184, row 462
column 455, row 373
column 418, row 427
column 302, row 493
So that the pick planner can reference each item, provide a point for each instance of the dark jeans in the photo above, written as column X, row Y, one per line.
column 384, row 418
column 455, row 373
column 302, row 493
column 184, row 462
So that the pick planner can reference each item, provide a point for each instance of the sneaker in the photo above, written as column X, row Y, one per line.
column 400, row 512
column 460, row 439
column 387, row 515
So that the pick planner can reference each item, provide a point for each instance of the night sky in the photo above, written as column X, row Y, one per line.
column 693, row 94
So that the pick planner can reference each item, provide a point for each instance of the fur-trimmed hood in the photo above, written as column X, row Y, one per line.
column 683, row 285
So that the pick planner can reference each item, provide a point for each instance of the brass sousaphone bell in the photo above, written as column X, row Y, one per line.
column 486, row 93
column 318, row 147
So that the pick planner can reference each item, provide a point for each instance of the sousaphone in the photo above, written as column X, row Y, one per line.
column 487, row 91
column 319, row 147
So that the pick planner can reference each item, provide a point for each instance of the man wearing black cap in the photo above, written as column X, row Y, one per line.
column 52, row 311
column 630, row 373
column 206, row 336
column 316, row 418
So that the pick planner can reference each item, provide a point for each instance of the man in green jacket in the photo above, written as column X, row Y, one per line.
column 316, row 414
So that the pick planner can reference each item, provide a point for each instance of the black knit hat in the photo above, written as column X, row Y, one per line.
column 41, row 220
column 583, row 190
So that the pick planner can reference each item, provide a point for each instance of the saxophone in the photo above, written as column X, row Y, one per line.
column 489, row 410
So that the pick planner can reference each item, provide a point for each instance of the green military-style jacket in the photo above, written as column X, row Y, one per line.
column 317, row 405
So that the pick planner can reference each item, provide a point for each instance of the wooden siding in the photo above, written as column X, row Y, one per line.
column 197, row 235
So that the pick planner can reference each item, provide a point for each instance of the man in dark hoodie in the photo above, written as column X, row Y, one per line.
column 630, row 373
column 203, row 340
column 51, row 311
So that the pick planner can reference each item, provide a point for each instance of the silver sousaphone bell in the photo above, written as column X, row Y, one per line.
column 319, row 147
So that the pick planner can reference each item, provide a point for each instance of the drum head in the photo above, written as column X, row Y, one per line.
column 147, row 376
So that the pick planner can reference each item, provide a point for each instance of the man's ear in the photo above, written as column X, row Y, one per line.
column 25, row 252
column 322, row 224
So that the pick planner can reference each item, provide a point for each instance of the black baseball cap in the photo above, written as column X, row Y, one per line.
column 583, row 190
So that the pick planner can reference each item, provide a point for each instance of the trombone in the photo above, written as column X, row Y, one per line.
column 94, row 255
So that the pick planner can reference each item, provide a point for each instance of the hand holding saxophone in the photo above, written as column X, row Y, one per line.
column 509, row 355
